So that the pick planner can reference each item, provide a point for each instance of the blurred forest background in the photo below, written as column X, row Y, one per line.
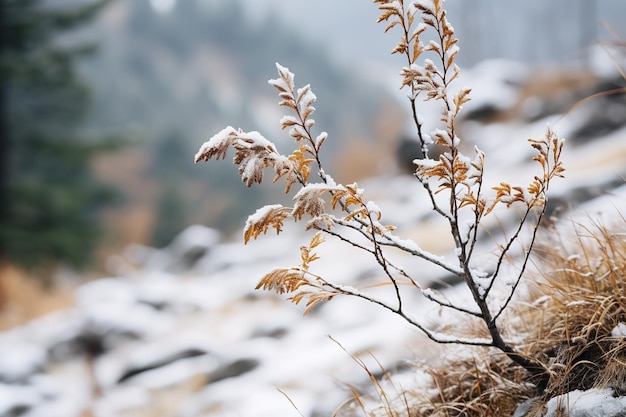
column 104, row 103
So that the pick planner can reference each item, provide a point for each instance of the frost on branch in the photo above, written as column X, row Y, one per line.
column 310, row 200
column 253, row 153
column 453, row 186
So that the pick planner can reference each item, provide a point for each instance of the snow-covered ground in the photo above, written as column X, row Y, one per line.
column 181, row 331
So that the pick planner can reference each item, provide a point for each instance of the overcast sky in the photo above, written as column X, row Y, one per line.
column 534, row 29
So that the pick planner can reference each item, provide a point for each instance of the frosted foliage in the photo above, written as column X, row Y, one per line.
column 306, row 97
column 285, row 82
column 261, row 214
column 452, row 185
column 288, row 120
column 218, row 141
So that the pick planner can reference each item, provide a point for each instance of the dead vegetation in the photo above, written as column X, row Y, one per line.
column 567, row 333
column 582, row 299
column 23, row 298
column 573, row 320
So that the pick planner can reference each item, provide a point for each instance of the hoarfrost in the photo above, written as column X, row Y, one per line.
column 319, row 140
column 329, row 180
column 306, row 97
column 280, row 82
column 288, row 120
column 216, row 141
column 261, row 214
column 257, row 140
column 372, row 207
column 425, row 163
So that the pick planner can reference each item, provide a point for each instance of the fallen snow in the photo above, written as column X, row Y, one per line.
column 590, row 403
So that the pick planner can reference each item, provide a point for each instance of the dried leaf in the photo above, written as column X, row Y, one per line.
column 319, row 140
column 264, row 218
column 309, row 200
column 217, row 146
column 283, row 280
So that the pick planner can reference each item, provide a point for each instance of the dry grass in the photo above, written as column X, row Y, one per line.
column 23, row 298
column 587, row 301
column 484, row 386
column 568, row 323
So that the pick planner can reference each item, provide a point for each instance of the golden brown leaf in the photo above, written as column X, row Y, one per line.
column 263, row 219
column 283, row 280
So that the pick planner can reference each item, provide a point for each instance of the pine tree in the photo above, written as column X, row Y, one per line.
column 48, row 197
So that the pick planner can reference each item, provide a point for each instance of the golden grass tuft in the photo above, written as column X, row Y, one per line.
column 482, row 386
column 583, row 286
column 486, row 385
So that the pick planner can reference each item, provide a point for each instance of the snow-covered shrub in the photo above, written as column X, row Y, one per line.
column 454, row 186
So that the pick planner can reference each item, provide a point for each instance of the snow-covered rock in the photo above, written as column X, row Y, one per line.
column 590, row 403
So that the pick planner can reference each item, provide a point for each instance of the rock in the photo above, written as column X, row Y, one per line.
column 113, row 314
column 233, row 369
column 19, row 360
column 17, row 400
column 590, row 403
column 167, row 359
column 185, row 250
column 407, row 150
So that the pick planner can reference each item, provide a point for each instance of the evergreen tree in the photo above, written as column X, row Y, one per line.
column 48, row 196
column 170, row 167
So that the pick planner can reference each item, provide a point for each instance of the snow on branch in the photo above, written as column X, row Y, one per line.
column 452, row 182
